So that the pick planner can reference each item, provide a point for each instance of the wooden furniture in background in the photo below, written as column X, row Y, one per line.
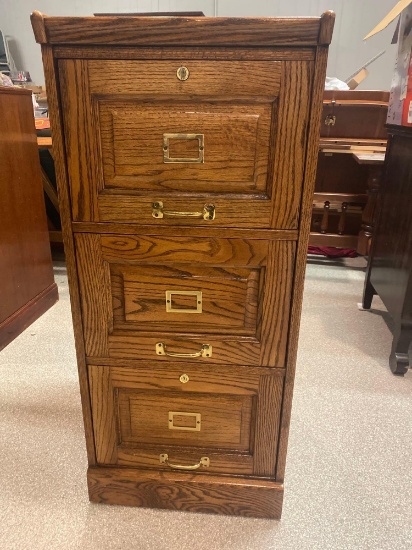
column 52, row 207
column 185, row 199
column 389, row 272
column 27, row 287
column 351, row 152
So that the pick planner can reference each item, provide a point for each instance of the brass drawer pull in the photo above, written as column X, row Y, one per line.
column 205, row 351
column 208, row 212
column 204, row 461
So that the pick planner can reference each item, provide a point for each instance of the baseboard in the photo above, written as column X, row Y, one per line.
column 185, row 492
column 14, row 325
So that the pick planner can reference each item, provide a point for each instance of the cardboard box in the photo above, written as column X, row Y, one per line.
column 400, row 100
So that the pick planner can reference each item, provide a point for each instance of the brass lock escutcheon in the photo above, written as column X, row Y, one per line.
column 205, row 351
column 204, row 461
column 184, row 137
column 208, row 213
column 182, row 73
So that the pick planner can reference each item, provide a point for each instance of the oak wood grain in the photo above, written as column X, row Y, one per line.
column 182, row 53
column 123, row 277
column 185, row 492
column 131, row 408
column 182, row 31
column 213, row 78
column 65, row 209
column 83, row 163
column 298, row 284
column 290, row 144
column 185, row 231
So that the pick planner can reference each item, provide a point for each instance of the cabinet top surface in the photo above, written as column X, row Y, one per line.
column 183, row 31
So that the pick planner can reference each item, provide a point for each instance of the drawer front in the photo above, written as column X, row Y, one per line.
column 227, row 139
column 172, row 417
column 209, row 300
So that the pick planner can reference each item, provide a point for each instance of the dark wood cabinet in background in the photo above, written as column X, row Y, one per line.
column 27, row 287
column 389, row 272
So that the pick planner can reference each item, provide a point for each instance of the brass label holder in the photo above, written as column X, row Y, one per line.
column 195, row 417
column 169, row 299
column 166, row 148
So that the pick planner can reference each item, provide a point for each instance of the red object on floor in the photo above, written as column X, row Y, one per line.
column 332, row 252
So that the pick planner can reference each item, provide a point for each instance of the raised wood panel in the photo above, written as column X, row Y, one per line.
column 223, row 421
column 153, row 78
column 131, row 407
column 235, row 147
column 228, row 297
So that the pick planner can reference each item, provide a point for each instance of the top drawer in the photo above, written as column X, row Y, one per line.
column 172, row 142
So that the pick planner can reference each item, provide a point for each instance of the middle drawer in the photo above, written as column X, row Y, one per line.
column 210, row 300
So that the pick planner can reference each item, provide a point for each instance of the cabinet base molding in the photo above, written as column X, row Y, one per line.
column 186, row 492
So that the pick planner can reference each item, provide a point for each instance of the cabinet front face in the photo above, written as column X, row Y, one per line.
column 182, row 415
column 208, row 300
column 202, row 142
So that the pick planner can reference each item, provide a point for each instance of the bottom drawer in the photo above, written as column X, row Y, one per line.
column 180, row 417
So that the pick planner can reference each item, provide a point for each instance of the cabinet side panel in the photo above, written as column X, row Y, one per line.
column 300, row 266
column 290, row 142
column 64, row 204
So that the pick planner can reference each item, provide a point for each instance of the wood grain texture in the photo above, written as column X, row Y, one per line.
column 244, row 329
column 235, row 147
column 184, row 492
column 180, row 53
column 27, row 285
column 231, row 210
column 65, row 209
column 298, row 284
column 83, row 163
column 206, row 77
column 229, row 298
column 327, row 22
column 37, row 22
column 182, row 31
column 125, row 252
column 131, row 407
column 104, row 415
column 267, row 427
column 290, row 134
column 94, row 283
column 185, row 231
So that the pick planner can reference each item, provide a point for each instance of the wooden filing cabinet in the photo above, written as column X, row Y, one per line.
column 186, row 155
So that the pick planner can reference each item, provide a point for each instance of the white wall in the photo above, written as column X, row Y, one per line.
column 354, row 18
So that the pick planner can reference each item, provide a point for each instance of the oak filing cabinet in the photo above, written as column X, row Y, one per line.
column 186, row 153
